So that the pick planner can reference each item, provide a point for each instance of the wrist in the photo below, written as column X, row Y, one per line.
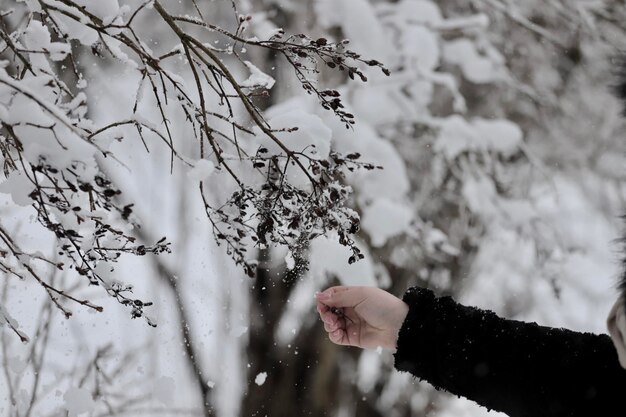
column 399, row 316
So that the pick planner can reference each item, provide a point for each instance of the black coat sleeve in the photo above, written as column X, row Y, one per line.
column 521, row 369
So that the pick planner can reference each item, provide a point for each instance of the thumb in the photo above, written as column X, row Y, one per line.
column 341, row 296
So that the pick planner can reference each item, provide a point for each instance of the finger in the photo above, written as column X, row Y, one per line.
column 335, row 321
column 322, row 308
column 338, row 337
column 328, row 317
column 324, row 312
column 342, row 296
column 332, row 327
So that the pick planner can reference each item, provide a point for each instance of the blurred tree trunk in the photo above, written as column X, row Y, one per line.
column 302, row 378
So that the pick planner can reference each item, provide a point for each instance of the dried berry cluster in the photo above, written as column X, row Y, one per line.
column 282, row 213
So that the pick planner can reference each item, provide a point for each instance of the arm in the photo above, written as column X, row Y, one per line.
column 519, row 368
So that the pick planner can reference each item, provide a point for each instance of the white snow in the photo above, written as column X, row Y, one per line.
column 418, row 11
column 257, row 78
column 263, row 28
column 164, row 390
column 377, row 105
column 476, row 67
column 364, row 140
column 384, row 219
column 260, row 378
column 238, row 330
column 329, row 256
column 500, row 135
column 289, row 260
column 202, row 169
column 457, row 135
column 37, row 37
column 19, row 187
column 480, row 193
column 78, row 401
column 312, row 138
column 358, row 20
column 17, row 365
column 369, row 369
column 298, row 309
column 421, row 46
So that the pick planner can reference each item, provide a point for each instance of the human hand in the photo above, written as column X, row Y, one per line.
column 365, row 317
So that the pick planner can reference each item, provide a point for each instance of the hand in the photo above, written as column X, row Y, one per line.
column 365, row 317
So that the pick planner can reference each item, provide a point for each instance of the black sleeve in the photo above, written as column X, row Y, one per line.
column 521, row 369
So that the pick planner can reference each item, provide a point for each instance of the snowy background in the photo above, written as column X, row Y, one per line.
column 503, row 156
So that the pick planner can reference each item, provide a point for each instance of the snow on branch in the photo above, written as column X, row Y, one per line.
column 50, row 146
